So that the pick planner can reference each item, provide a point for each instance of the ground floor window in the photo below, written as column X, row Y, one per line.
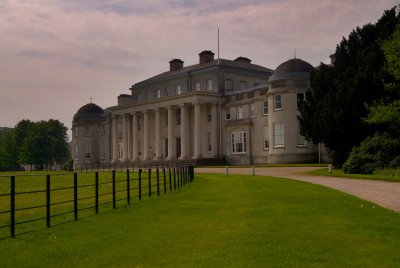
column 76, row 152
column 88, row 151
column 279, row 134
column 265, row 138
column 301, row 140
column 120, row 151
column 238, row 142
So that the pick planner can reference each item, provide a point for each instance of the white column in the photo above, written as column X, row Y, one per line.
column 114, row 139
column 214, row 129
column 171, row 122
column 135, row 154
column 129, row 133
column 158, row 134
column 197, row 130
column 184, row 132
column 145, row 135
column 125, row 137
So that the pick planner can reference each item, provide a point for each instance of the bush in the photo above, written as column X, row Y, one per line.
column 373, row 153
column 69, row 165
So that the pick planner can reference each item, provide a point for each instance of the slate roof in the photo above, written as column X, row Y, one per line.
column 197, row 67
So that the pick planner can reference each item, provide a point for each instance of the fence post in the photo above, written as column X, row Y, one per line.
column 12, row 206
column 140, row 184
column 48, row 201
column 181, row 175
column 149, row 182
column 128, row 187
column 170, row 181
column 113, row 189
column 174, row 178
column 96, row 192
column 76, row 196
column 158, row 182
column 165, row 181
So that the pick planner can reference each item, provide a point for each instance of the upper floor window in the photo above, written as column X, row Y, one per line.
column 158, row 93
column 243, row 85
column 252, row 112
column 265, row 107
column 103, row 130
column 197, row 86
column 229, row 85
column 166, row 92
column 238, row 141
column 278, row 83
column 88, row 131
column 209, row 85
column 300, row 83
column 300, row 99
column 75, row 130
column 277, row 102
column 178, row 117
column 146, row 96
column 228, row 113
column 139, row 97
column 178, row 89
column 76, row 151
column 239, row 114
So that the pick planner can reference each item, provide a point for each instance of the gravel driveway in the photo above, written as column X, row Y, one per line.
column 385, row 194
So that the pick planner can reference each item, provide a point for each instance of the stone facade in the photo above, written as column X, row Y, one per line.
column 217, row 109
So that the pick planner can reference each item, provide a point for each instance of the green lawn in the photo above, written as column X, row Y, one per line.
column 221, row 221
column 383, row 175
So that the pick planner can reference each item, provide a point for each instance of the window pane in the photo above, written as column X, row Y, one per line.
column 277, row 102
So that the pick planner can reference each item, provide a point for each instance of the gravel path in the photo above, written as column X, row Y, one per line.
column 385, row 194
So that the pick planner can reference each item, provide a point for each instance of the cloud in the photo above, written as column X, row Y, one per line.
column 64, row 52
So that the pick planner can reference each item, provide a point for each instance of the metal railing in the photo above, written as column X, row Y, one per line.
column 58, row 198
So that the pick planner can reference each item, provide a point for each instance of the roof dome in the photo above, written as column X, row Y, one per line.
column 89, row 112
column 292, row 68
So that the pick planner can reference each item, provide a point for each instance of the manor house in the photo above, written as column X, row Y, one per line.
column 217, row 109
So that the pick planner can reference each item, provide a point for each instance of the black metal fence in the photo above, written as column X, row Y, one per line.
column 30, row 202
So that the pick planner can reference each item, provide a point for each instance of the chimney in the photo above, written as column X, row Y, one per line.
column 175, row 64
column 243, row 60
column 206, row 56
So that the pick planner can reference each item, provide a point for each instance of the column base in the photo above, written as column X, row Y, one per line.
column 171, row 158
column 196, row 157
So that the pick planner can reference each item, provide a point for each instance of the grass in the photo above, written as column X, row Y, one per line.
column 62, row 196
column 383, row 175
column 222, row 221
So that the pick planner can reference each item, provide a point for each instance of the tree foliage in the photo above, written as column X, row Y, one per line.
column 8, row 149
column 382, row 150
column 35, row 143
column 340, row 93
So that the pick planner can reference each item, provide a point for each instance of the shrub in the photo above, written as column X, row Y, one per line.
column 373, row 153
column 69, row 165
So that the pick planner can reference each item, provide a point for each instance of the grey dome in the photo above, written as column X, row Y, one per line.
column 89, row 113
column 291, row 69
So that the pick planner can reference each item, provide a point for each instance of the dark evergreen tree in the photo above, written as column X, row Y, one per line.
column 336, row 104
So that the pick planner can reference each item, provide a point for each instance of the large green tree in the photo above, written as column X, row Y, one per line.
column 340, row 93
column 45, row 143
column 8, row 149
column 34, row 143
column 383, row 149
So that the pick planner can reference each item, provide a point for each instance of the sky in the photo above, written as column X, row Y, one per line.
column 58, row 55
